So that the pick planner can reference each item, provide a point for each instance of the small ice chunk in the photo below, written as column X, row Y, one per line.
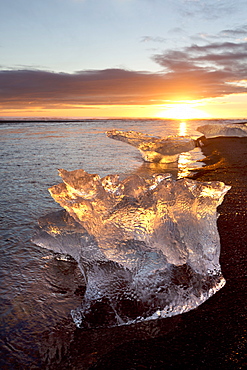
column 155, row 149
column 230, row 129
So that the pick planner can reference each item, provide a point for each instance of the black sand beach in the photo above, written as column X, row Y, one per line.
column 214, row 335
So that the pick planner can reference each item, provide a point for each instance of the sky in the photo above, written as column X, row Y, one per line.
column 123, row 58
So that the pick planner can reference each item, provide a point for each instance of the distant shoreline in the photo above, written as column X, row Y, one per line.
column 33, row 120
column 41, row 120
column 17, row 120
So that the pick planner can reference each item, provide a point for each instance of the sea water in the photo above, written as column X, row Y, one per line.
column 38, row 289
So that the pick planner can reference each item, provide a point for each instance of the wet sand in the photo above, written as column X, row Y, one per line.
column 215, row 334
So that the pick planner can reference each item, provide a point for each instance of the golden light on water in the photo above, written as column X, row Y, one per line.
column 182, row 128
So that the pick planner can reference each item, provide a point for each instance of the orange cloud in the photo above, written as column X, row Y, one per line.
column 195, row 72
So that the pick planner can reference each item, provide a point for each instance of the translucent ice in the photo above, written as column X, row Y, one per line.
column 155, row 149
column 147, row 247
column 230, row 129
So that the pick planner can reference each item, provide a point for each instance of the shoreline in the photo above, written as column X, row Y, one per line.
column 83, row 119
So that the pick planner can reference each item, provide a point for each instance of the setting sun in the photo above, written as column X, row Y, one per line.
column 183, row 111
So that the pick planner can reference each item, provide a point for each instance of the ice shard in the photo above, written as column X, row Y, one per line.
column 148, row 248
column 155, row 149
column 230, row 129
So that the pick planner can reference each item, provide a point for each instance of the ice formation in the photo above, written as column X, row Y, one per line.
column 148, row 248
column 155, row 149
column 230, row 129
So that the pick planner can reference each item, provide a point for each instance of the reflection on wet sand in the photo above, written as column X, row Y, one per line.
column 190, row 161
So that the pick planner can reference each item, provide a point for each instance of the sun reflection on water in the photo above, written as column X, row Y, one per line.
column 182, row 128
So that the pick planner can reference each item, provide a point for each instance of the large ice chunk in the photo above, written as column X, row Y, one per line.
column 155, row 149
column 230, row 129
column 147, row 247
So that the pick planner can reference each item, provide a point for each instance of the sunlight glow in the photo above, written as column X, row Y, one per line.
column 231, row 107
column 183, row 112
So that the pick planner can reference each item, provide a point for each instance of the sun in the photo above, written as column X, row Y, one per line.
column 183, row 111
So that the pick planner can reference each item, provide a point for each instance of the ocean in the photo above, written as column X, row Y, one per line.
column 39, row 289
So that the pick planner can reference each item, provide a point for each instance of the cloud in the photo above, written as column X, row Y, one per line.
column 91, row 87
column 194, row 72
column 210, row 66
column 211, row 9
column 153, row 39
column 239, row 32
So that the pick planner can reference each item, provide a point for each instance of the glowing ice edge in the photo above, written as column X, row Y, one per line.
column 168, row 311
column 155, row 148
